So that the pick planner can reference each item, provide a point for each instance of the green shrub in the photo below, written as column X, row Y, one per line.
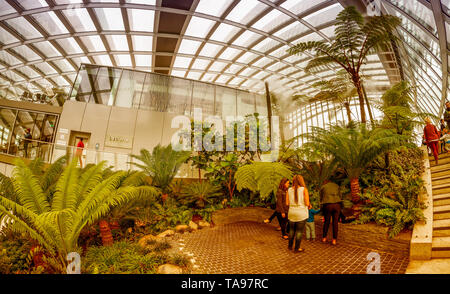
column 14, row 250
column 392, row 192
column 127, row 258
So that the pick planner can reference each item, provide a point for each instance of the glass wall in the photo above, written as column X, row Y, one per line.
column 26, row 133
column 156, row 92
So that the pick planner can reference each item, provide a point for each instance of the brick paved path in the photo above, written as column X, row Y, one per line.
column 256, row 248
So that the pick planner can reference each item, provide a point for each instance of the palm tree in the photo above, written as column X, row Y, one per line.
column 339, row 90
column 80, row 199
column 161, row 165
column 355, row 38
column 353, row 147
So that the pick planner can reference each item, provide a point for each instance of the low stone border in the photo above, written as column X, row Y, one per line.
column 366, row 235
column 422, row 236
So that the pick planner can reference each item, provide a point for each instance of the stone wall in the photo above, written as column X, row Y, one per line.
column 367, row 235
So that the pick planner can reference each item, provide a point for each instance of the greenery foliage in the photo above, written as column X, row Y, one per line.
column 79, row 199
column 199, row 194
column 356, row 37
column 161, row 165
column 392, row 196
column 262, row 177
column 127, row 258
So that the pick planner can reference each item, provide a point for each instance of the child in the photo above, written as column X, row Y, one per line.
column 445, row 136
column 310, row 225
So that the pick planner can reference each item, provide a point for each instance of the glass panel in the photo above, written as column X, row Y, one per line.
column 105, row 86
column 141, row 20
column 110, row 19
column 245, row 103
column 215, row 8
column 130, row 89
column 84, row 83
column 80, row 19
column 24, row 28
column 155, row 94
column 180, row 91
column 225, row 102
column 203, row 97
column 224, row 33
column 261, row 104
column 7, row 117
column 51, row 23
column 199, row 27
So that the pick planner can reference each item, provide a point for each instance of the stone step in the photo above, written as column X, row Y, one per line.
column 441, row 233
column 442, row 160
column 441, row 186
column 441, row 155
column 440, row 167
column 441, row 209
column 441, row 173
column 441, row 243
column 442, row 224
column 441, row 215
column 443, row 176
column 440, row 181
column 441, row 202
column 445, row 189
column 440, row 253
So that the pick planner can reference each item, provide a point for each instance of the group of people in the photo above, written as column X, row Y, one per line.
column 295, row 213
column 436, row 139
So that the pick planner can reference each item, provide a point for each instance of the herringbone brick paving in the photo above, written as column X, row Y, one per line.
column 256, row 248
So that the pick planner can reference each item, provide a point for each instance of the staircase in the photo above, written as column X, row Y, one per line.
column 440, row 180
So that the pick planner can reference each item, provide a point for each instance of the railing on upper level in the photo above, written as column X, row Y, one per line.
column 50, row 152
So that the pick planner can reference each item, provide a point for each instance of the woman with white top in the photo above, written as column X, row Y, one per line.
column 297, row 198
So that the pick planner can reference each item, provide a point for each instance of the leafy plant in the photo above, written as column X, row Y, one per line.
column 356, row 37
column 353, row 147
column 14, row 250
column 161, row 165
column 199, row 194
column 80, row 199
column 392, row 196
column 262, row 177
column 126, row 258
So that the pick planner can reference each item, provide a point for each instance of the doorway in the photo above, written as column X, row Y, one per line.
column 74, row 138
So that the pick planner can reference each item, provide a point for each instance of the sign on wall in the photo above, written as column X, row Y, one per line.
column 119, row 141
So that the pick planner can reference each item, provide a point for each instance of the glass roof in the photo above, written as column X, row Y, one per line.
column 240, row 44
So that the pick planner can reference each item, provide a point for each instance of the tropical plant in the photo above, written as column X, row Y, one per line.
column 353, row 147
column 392, row 196
column 399, row 112
column 339, row 90
column 161, row 165
column 199, row 194
column 356, row 37
column 127, row 258
column 80, row 199
column 262, row 177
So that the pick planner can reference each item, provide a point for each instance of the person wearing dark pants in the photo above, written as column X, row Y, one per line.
column 298, row 200
column 331, row 200
column 281, row 209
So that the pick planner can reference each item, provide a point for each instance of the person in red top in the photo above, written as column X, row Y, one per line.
column 432, row 138
column 79, row 152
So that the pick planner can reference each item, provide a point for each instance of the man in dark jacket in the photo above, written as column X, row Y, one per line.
column 447, row 114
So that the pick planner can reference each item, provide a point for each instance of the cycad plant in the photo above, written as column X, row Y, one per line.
column 356, row 37
column 262, row 177
column 353, row 147
column 80, row 199
column 199, row 194
column 161, row 165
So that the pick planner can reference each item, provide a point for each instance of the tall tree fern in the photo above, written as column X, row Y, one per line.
column 356, row 37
